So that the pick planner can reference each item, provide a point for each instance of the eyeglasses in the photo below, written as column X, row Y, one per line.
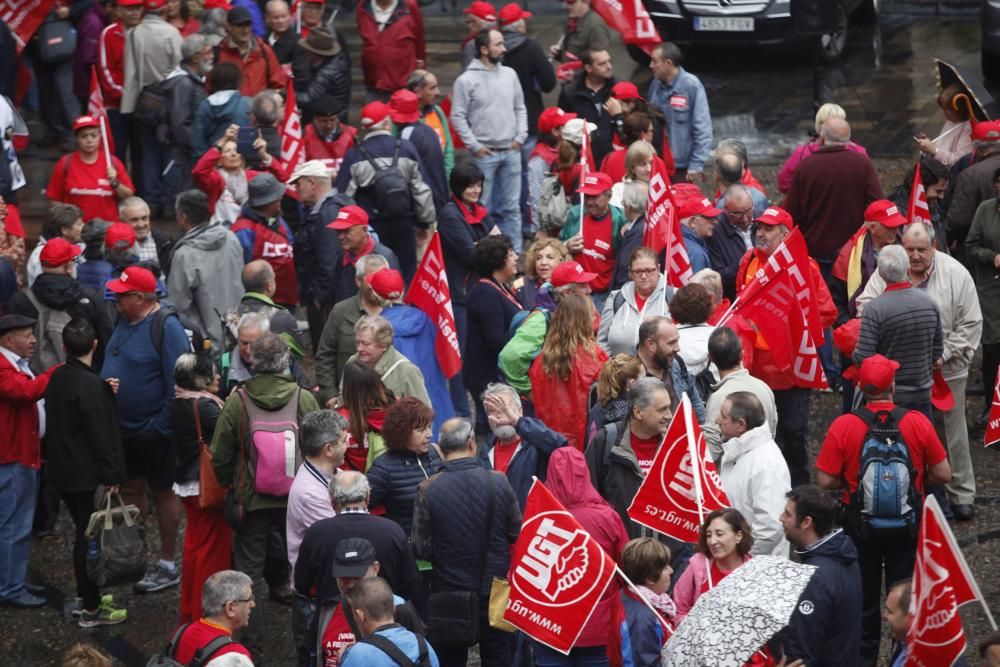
column 740, row 214
column 643, row 272
column 249, row 599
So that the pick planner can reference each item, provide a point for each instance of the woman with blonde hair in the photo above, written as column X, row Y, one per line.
column 823, row 114
column 638, row 167
column 609, row 396
column 566, row 367
column 541, row 258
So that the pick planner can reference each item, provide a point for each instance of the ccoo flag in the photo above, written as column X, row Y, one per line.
column 557, row 575
column 430, row 293
column 682, row 486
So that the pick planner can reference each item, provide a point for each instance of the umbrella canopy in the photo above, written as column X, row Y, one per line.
column 732, row 621
column 977, row 99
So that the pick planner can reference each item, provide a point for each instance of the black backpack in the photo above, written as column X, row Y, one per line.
column 387, row 646
column 198, row 339
column 886, row 498
column 390, row 189
column 202, row 656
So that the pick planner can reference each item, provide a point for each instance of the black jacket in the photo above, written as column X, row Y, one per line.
column 449, row 520
column 628, row 243
column 344, row 276
column 83, row 441
column 534, row 70
column 428, row 146
column 394, row 478
column 331, row 77
column 185, row 434
column 531, row 459
column 286, row 47
column 317, row 250
column 313, row 576
column 458, row 238
column 824, row 630
column 186, row 93
column 490, row 314
column 585, row 103
column 725, row 250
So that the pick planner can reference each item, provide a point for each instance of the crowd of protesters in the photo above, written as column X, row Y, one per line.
column 269, row 349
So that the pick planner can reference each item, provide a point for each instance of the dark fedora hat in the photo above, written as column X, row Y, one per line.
column 321, row 41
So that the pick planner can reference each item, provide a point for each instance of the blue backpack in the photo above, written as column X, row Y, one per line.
column 887, row 498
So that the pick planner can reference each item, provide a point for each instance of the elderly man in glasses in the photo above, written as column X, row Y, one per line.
column 734, row 234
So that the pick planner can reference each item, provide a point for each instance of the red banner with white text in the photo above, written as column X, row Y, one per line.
column 293, row 151
column 430, row 293
column 663, row 231
column 918, row 210
column 683, row 485
column 23, row 17
column 630, row 18
column 557, row 575
column 993, row 423
column 95, row 108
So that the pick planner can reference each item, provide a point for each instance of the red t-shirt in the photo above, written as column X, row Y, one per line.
column 840, row 455
column 85, row 185
column 718, row 574
column 199, row 634
column 640, row 302
column 336, row 635
column 503, row 453
column 645, row 450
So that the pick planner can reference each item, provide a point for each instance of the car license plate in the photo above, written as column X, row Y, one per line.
column 723, row 24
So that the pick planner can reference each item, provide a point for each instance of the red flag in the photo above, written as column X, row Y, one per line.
column 942, row 582
column 557, row 575
column 95, row 108
column 663, row 231
column 773, row 309
column 682, row 486
column 23, row 17
column 993, row 423
column 430, row 293
column 918, row 210
column 293, row 151
column 630, row 18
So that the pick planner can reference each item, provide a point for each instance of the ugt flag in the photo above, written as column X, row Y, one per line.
column 430, row 293
column 95, row 108
column 993, row 423
column 942, row 582
column 23, row 17
column 663, row 231
column 293, row 152
column 630, row 18
column 918, row 210
column 682, row 486
column 557, row 575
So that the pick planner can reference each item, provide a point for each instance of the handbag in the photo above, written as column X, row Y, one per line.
column 499, row 597
column 453, row 616
column 116, row 550
column 56, row 41
column 211, row 494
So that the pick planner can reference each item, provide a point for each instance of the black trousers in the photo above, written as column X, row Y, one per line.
column 793, row 431
column 81, row 505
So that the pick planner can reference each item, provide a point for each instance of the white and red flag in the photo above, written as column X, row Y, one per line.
column 683, row 485
column 23, row 17
column 663, row 230
column 993, row 422
column 430, row 293
column 630, row 18
column 918, row 210
column 293, row 149
column 557, row 575
column 95, row 108
column 942, row 582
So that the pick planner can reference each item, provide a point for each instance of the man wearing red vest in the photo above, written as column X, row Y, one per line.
column 264, row 234
column 791, row 397
column 326, row 138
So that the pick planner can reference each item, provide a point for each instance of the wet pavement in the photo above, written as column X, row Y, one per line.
column 887, row 86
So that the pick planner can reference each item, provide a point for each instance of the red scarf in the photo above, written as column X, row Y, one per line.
column 474, row 215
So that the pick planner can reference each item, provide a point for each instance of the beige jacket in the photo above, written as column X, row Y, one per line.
column 152, row 51
column 740, row 380
column 953, row 290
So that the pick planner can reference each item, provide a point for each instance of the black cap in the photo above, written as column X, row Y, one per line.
column 12, row 322
column 239, row 16
column 354, row 556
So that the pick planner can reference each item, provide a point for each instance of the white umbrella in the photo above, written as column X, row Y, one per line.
column 735, row 619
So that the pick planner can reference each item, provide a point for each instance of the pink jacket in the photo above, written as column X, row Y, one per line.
column 800, row 154
column 687, row 590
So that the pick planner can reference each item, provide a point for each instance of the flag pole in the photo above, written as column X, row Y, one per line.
column 642, row 598
column 104, row 140
column 696, row 469
column 583, row 170
column 726, row 315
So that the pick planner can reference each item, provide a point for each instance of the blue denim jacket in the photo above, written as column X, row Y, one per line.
column 685, row 105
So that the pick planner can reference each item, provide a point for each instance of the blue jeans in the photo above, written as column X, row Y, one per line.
column 583, row 656
column 18, row 488
column 502, row 191
column 529, row 226
column 156, row 187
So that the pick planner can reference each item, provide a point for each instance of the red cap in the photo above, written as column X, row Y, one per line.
column 349, row 216
column 154, row 4
column 216, row 4
column 988, row 130
column 512, row 13
column 775, row 215
column 552, row 118
column 404, row 106
column 884, row 212
column 696, row 204
column 570, row 272
column 373, row 113
column 626, row 90
column 845, row 337
column 876, row 373
column 86, row 121
column 58, row 251
column 941, row 396
column 481, row 10
column 133, row 279
column 387, row 283
column 595, row 183
column 135, row 3
column 117, row 233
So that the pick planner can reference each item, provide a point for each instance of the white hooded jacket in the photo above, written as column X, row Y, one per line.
column 619, row 330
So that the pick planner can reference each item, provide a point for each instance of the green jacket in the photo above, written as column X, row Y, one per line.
column 591, row 34
column 270, row 392
column 572, row 225
column 336, row 345
column 981, row 248
column 400, row 375
column 516, row 356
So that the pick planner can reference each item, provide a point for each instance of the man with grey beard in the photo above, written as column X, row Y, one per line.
column 517, row 446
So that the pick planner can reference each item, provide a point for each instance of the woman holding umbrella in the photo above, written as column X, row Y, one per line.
column 955, row 138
